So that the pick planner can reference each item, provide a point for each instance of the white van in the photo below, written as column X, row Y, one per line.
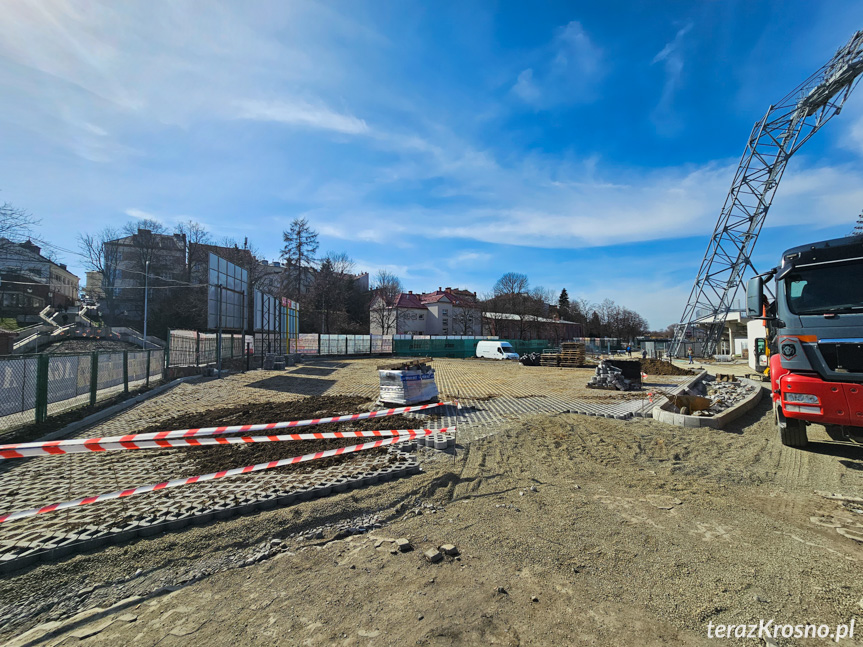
column 495, row 350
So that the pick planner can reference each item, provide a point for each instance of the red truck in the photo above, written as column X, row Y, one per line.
column 815, row 337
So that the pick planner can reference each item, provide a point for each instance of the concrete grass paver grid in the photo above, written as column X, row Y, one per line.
column 492, row 394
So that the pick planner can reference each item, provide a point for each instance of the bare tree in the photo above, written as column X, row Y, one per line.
column 102, row 257
column 15, row 224
column 301, row 244
column 195, row 235
column 465, row 319
column 511, row 296
column 145, row 245
column 383, row 311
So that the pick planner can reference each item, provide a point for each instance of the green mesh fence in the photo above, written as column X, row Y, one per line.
column 458, row 348
column 35, row 387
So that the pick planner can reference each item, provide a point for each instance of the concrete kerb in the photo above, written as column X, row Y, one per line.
column 664, row 413
column 649, row 411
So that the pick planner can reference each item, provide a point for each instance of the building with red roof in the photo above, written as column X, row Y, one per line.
column 439, row 313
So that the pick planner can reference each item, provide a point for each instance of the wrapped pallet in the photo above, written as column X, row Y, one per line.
column 411, row 383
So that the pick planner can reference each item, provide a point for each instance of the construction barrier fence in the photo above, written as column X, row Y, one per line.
column 192, row 348
column 34, row 387
column 459, row 347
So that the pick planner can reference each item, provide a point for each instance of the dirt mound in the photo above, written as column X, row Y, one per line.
column 211, row 459
column 658, row 367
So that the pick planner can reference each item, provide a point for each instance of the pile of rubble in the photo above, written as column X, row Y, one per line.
column 610, row 377
column 722, row 393
column 725, row 395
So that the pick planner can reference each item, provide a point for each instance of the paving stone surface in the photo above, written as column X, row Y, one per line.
column 491, row 394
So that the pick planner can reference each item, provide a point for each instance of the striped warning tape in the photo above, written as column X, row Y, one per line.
column 12, row 516
column 62, row 446
column 105, row 446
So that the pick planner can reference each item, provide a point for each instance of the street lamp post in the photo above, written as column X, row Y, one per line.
column 146, row 277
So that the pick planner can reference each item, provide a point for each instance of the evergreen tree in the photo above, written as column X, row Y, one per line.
column 563, row 306
column 301, row 243
column 595, row 325
column 858, row 226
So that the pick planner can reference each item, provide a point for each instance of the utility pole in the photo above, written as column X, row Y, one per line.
column 146, row 285
column 245, row 316
column 219, row 335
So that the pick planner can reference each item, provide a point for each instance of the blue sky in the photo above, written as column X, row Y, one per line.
column 587, row 145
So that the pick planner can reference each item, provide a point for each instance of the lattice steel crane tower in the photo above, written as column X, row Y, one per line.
column 774, row 139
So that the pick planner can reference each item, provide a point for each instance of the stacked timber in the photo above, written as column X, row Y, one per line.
column 549, row 357
column 571, row 354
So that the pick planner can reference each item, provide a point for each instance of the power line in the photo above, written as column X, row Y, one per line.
column 121, row 287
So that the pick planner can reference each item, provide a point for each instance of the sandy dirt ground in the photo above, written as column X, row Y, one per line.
column 570, row 531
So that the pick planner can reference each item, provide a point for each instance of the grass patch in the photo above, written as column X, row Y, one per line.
column 9, row 323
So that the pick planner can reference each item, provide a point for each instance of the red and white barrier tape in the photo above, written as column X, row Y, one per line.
column 105, row 446
column 12, row 516
column 62, row 446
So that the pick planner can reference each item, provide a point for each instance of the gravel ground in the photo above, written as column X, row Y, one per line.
column 89, row 346
column 571, row 530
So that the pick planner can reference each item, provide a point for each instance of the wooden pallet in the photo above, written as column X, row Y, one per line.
column 549, row 359
column 572, row 354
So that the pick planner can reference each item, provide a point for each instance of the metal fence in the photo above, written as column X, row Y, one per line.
column 193, row 348
column 34, row 387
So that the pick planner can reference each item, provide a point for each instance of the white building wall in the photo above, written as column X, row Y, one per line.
column 412, row 321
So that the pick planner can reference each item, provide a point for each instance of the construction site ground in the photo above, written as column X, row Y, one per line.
column 571, row 530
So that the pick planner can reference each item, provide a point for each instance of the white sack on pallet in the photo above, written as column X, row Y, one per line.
column 408, row 387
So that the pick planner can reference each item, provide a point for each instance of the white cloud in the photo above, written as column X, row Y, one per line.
column 672, row 57
column 567, row 71
column 468, row 259
column 139, row 214
column 526, row 88
column 89, row 75
column 545, row 205
column 301, row 113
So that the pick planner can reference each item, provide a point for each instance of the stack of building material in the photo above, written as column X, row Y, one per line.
column 550, row 357
column 610, row 377
column 406, row 364
column 407, row 382
column 571, row 354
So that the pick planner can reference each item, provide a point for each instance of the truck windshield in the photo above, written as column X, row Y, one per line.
column 834, row 287
column 507, row 348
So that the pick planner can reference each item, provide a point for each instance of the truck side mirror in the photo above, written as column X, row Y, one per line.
column 754, row 297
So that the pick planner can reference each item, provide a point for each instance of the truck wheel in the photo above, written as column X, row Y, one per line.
column 792, row 432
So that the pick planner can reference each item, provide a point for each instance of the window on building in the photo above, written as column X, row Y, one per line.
column 445, row 312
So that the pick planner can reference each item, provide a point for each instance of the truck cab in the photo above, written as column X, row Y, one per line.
column 814, row 336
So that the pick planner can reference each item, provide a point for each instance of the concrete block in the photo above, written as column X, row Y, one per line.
column 324, row 489
column 433, row 555
column 340, row 485
column 691, row 421
column 449, row 549
column 203, row 518
column 403, row 545
column 304, row 494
